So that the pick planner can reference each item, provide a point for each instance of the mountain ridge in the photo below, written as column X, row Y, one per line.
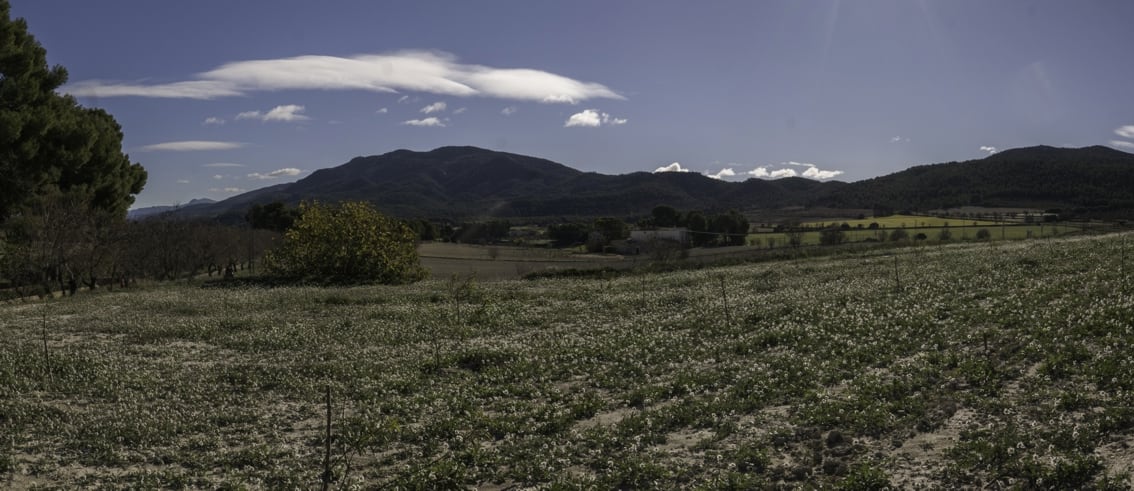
column 469, row 183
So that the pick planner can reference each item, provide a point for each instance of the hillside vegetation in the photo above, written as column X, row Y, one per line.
column 968, row 365
column 470, row 182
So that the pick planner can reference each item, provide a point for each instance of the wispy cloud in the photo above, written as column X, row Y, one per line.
column 191, row 146
column 288, row 112
column 285, row 172
column 430, row 121
column 417, row 71
column 592, row 118
column 898, row 139
column 726, row 172
column 227, row 190
column 508, row 111
column 1125, row 131
column 213, row 121
column 222, row 164
column 382, row 111
column 460, row 110
column 1122, row 144
column 218, row 176
column 436, row 107
column 674, row 167
column 986, row 148
column 193, row 89
column 182, row 181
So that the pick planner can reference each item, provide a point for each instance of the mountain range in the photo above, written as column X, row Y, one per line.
column 469, row 183
column 138, row 213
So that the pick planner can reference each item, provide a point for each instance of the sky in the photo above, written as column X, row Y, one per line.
column 219, row 97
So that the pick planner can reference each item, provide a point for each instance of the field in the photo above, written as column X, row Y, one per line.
column 969, row 365
column 907, row 221
column 495, row 262
column 960, row 231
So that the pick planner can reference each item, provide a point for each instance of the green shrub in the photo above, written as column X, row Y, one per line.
column 346, row 243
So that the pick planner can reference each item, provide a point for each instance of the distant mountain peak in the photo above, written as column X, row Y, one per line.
column 1045, row 152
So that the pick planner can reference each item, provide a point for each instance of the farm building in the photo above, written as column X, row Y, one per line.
column 643, row 241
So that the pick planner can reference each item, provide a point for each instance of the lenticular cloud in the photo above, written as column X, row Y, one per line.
column 419, row 71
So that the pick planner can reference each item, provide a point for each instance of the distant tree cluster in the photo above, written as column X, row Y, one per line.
column 477, row 232
column 62, row 247
column 595, row 235
column 275, row 216
column 723, row 229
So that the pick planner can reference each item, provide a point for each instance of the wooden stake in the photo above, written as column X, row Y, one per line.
column 327, row 454
column 46, row 355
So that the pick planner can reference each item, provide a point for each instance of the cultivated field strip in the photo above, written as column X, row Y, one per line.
column 1003, row 365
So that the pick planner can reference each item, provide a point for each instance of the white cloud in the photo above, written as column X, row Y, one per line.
column 436, row 107
column 812, row 172
column 592, row 118
column 382, row 111
column 193, row 89
column 289, row 112
column 898, row 139
column 218, row 177
column 1122, row 144
column 182, row 181
column 430, row 121
column 822, row 175
column 674, row 167
column 460, row 110
column 559, row 99
column 191, row 146
column 213, row 121
column 985, row 148
column 226, row 190
column 726, row 172
column 508, row 111
column 419, row 71
column 608, row 119
column 588, row 118
column 761, row 172
column 222, row 164
column 285, row 172
column 1125, row 131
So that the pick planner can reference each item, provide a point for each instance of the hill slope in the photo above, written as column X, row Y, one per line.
column 473, row 183
column 1094, row 179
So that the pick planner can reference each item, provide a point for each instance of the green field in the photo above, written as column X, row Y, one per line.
column 970, row 365
column 959, row 233
column 905, row 221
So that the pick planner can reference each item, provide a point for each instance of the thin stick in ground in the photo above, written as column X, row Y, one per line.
column 327, row 453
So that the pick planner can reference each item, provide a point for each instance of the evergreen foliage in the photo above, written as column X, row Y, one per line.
column 49, row 144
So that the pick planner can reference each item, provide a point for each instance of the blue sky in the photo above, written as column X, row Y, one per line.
column 217, row 97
